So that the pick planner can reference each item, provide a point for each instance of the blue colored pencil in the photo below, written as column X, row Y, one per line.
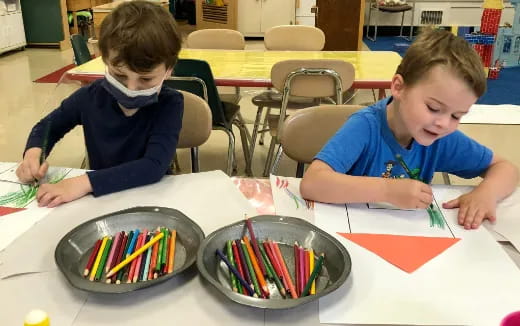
column 237, row 274
column 131, row 247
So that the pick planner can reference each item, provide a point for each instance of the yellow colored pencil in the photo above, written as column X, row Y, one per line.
column 98, row 258
column 311, row 268
column 135, row 254
column 171, row 258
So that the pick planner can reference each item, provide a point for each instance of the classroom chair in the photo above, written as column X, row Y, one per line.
column 294, row 38
column 195, row 76
column 225, row 39
column 196, row 126
column 314, row 79
column 308, row 130
column 80, row 49
column 375, row 5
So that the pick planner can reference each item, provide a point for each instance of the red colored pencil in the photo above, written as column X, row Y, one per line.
column 238, row 262
column 119, row 255
column 92, row 257
column 307, row 266
column 285, row 271
column 276, row 264
column 297, row 268
column 153, row 262
column 255, row 246
column 139, row 259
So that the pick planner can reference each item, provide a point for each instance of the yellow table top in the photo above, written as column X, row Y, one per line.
column 249, row 65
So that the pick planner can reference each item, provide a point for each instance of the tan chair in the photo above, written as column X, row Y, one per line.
column 304, row 78
column 374, row 5
column 196, row 126
column 308, row 130
column 226, row 39
column 294, row 38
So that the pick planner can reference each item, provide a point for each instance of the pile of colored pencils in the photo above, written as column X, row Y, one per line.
column 252, row 264
column 130, row 257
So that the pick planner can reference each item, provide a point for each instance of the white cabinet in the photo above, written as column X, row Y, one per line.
column 12, row 33
column 304, row 16
column 257, row 16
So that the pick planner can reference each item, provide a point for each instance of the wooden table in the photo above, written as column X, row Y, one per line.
column 100, row 12
column 249, row 68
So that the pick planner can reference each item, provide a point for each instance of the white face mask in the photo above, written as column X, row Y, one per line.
column 131, row 99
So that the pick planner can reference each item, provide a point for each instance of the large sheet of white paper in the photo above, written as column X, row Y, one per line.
column 209, row 198
column 471, row 283
column 287, row 198
column 505, row 114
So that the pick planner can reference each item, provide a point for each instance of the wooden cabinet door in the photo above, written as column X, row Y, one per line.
column 249, row 16
column 342, row 23
column 277, row 12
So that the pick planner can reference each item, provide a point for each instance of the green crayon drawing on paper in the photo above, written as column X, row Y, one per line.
column 27, row 193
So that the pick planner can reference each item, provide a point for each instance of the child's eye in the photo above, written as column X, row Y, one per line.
column 455, row 117
column 146, row 79
column 432, row 109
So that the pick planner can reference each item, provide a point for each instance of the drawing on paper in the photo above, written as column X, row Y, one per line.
column 298, row 201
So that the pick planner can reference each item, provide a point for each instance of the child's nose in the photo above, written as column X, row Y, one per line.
column 443, row 121
column 132, row 85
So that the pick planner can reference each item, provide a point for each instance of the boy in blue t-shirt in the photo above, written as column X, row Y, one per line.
column 131, row 122
column 382, row 151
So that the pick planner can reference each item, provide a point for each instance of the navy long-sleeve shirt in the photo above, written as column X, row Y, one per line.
column 124, row 152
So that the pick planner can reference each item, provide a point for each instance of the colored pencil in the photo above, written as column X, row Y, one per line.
column 255, row 246
column 119, row 275
column 311, row 268
column 112, row 253
column 135, row 254
column 118, row 256
column 233, row 270
column 153, row 262
column 256, row 267
column 251, row 269
column 131, row 249
column 103, row 260
column 314, row 274
column 297, row 268
column 270, row 269
column 307, row 270
column 164, row 265
column 302, row 268
column 286, row 275
column 92, row 257
column 98, row 258
column 142, row 260
column 238, row 263
column 269, row 248
column 148, row 261
column 159, row 256
column 244, row 264
column 138, row 245
column 171, row 252
column 232, row 277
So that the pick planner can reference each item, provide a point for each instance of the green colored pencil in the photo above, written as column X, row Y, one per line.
column 251, row 269
column 159, row 256
column 313, row 276
column 234, row 282
column 270, row 270
column 103, row 261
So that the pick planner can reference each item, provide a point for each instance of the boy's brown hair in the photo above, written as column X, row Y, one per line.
column 140, row 35
column 439, row 47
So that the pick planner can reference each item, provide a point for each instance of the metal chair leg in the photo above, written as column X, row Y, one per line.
column 269, row 158
column 264, row 124
column 402, row 23
column 245, row 144
column 256, row 126
column 277, row 159
column 446, row 178
column 195, row 167
column 300, row 167
column 243, row 122
column 368, row 23
column 231, row 164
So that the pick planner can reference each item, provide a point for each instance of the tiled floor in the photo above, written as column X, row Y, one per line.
column 23, row 102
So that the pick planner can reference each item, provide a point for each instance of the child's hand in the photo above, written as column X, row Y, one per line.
column 52, row 195
column 474, row 207
column 409, row 193
column 30, row 169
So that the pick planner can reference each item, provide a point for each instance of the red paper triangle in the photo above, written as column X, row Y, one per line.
column 406, row 252
column 8, row 210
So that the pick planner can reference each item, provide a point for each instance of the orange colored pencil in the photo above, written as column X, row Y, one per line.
column 256, row 267
column 171, row 252
column 286, row 275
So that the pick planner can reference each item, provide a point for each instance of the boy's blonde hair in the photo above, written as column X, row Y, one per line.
column 140, row 35
column 439, row 47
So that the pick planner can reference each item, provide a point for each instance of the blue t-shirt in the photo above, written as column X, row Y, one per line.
column 125, row 152
column 365, row 146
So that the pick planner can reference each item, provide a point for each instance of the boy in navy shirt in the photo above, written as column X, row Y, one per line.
column 438, row 80
column 131, row 122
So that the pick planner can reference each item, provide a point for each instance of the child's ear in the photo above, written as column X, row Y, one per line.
column 397, row 86
column 169, row 72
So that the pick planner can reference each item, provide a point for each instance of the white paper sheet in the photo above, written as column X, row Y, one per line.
column 472, row 283
column 209, row 198
column 287, row 198
column 506, row 114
